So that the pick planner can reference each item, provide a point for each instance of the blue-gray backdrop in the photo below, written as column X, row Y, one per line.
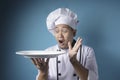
column 24, row 28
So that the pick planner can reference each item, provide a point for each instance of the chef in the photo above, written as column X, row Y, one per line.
column 78, row 62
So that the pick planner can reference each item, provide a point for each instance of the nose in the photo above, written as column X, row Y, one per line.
column 60, row 35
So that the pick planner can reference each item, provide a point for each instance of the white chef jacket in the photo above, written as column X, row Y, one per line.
column 60, row 68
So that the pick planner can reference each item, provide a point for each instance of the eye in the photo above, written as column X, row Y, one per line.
column 56, row 30
column 64, row 30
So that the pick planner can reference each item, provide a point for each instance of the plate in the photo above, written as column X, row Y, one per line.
column 40, row 54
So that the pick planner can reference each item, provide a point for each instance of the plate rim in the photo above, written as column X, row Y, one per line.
column 44, row 53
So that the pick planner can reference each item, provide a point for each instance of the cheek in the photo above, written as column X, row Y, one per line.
column 68, row 37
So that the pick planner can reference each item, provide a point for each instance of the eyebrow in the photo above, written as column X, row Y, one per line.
column 64, row 27
column 67, row 27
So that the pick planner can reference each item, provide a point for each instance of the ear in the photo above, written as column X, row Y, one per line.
column 74, row 32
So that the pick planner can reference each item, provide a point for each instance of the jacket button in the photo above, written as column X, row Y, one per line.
column 58, row 61
column 74, row 75
column 58, row 50
column 59, row 74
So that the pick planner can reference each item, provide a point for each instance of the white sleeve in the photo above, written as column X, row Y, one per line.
column 37, row 75
column 91, row 65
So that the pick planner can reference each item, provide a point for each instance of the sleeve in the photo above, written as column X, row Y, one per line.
column 91, row 65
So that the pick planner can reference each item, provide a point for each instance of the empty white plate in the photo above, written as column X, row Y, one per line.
column 40, row 54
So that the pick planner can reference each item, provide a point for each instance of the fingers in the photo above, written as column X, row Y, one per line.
column 69, row 45
column 47, row 61
column 36, row 61
column 33, row 61
column 39, row 62
column 77, row 44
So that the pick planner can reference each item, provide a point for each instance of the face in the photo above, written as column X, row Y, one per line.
column 63, row 33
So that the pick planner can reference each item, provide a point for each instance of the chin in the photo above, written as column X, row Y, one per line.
column 63, row 47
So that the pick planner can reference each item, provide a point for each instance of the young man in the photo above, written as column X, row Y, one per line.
column 78, row 63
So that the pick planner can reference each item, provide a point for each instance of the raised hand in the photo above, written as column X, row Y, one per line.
column 73, row 50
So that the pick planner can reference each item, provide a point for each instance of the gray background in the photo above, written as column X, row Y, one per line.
column 24, row 28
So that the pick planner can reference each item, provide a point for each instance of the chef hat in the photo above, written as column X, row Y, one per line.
column 61, row 16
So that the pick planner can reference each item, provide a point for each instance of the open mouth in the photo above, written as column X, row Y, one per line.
column 61, row 41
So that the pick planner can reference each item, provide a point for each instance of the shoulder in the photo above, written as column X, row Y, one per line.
column 87, row 50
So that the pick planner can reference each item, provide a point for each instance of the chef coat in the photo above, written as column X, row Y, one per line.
column 60, row 68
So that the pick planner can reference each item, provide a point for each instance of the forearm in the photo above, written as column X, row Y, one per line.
column 80, row 70
column 42, row 76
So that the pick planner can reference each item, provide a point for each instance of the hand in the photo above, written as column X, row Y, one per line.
column 41, row 64
column 73, row 51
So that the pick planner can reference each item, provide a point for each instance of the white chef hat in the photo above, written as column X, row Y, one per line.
column 61, row 16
